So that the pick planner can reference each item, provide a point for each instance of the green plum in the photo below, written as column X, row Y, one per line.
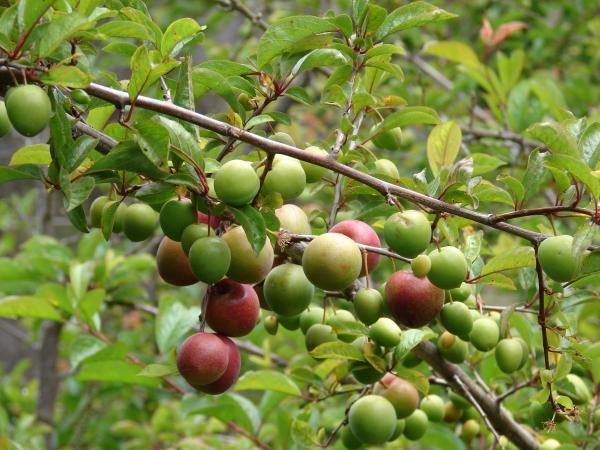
column 246, row 267
column 175, row 216
column 416, row 425
column 209, row 259
column 96, row 211
column 453, row 348
column 485, row 334
column 386, row 167
column 318, row 334
column 236, row 183
column 470, row 429
column 338, row 317
column 456, row 318
column 310, row 317
column 29, row 109
column 408, row 233
column 385, row 332
column 556, row 258
column 388, row 140
column 289, row 322
column 287, row 291
column 5, row 125
column 271, row 324
column 448, row 268
column 191, row 234
column 509, row 354
column 372, row 419
column 434, row 407
column 286, row 177
column 139, row 222
column 368, row 305
column 420, row 265
column 313, row 172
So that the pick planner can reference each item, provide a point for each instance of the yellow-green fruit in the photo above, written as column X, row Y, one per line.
column 448, row 268
column 525, row 349
column 291, row 323
column 313, row 172
column 118, row 217
column 236, row 183
column 385, row 332
column 386, row 167
column 293, row 219
column 245, row 267
column 287, row 291
column 407, row 233
column 310, row 317
column 80, row 96
column 470, row 429
column 452, row 348
column 339, row 317
column 459, row 401
column 244, row 100
column 556, row 258
column 271, row 324
column 434, row 407
column 350, row 441
column 388, row 140
column 372, row 419
column 29, row 109
column 176, row 216
column 509, row 354
column 209, row 259
column 550, row 444
column 286, row 177
column 283, row 138
column 139, row 222
column 332, row 261
column 191, row 234
column 5, row 125
column 460, row 294
column 416, row 425
column 368, row 305
column 420, row 265
column 456, row 318
column 96, row 211
column 400, row 426
column 318, row 334
column 452, row 412
column 203, row 207
column 485, row 334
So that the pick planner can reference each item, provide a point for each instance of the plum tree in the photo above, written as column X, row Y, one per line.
column 191, row 234
column 509, row 355
column 209, row 259
column 232, row 309
column 311, row 316
column 29, row 109
column 372, row 419
column 340, row 316
column 202, row 358
column 420, row 265
column 287, row 291
column 236, row 183
column 485, row 334
column 407, row 233
column 456, row 318
column 448, row 268
column 139, row 222
column 286, row 177
column 416, row 425
column 385, row 332
column 245, row 267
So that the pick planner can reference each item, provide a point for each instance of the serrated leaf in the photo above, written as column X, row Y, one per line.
column 128, row 156
column 454, row 51
column 284, row 33
column 108, row 219
column 79, row 150
column 114, row 371
column 253, row 224
column 154, row 138
column 157, row 370
column 376, row 362
column 337, row 350
column 417, row 379
column 498, row 280
column 114, row 352
column 449, row 229
column 157, row 192
column 20, row 172
column 77, row 192
column 534, row 174
column 443, row 145
column 299, row 94
column 415, row 14
column 320, row 57
column 589, row 145
column 77, row 217
column 182, row 140
column 410, row 339
column 540, row 396
column 384, row 49
column 564, row 401
column 60, row 29
column 556, row 137
column 204, row 80
column 512, row 258
column 563, row 368
column 303, row 434
column 577, row 168
column 393, row 69
column 514, row 185
column 126, row 29
column 68, row 76
column 227, row 408
column 28, row 306
column 266, row 380
column 350, row 328
column 307, row 376
column 32, row 154
column 178, row 34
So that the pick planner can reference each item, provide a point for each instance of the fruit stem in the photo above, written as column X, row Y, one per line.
column 449, row 296
column 324, row 309
column 204, row 306
column 366, row 267
column 393, row 265
column 331, row 303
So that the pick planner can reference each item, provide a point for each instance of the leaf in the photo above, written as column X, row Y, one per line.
column 415, row 14
column 90, row 304
column 153, row 138
column 146, row 72
column 156, row 192
column 267, row 380
column 253, row 224
column 589, row 145
column 157, row 370
column 376, row 362
column 299, row 94
column 417, row 379
column 410, row 339
column 541, row 396
column 337, row 350
column 114, row 371
column 79, row 150
column 178, row 34
column 449, row 229
column 407, row 116
column 28, row 306
column 443, row 144
column 184, row 96
column 69, row 76
column 319, row 58
column 77, row 192
column 393, row 69
column 30, row 11
column 20, row 172
column 307, row 376
column 182, row 139
column 376, row 15
column 108, row 219
column 510, row 69
column 515, row 186
column 32, row 154
column 535, row 173
column 563, row 368
column 512, row 258
column 303, row 434
column 582, row 239
column 454, row 51
column 350, row 328
column 284, row 33
column 494, row 194
column 227, row 408
column 590, row 265
column 126, row 29
column 578, row 169
column 505, row 30
column 128, row 156
column 59, row 30
column 556, row 137
column 205, row 80
column 82, row 347
column 77, row 217
column 498, row 280
column 383, row 49
column 173, row 322
column 113, row 352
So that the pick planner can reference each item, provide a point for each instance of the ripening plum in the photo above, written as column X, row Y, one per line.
column 202, row 358
column 408, row 233
column 448, row 268
column 287, row 291
column 236, row 183
column 372, row 419
column 556, row 258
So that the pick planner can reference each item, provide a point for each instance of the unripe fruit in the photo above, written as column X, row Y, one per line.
column 550, row 444
column 372, row 419
column 368, row 305
column 293, row 219
column 456, row 318
column 245, row 267
column 332, row 261
column 448, row 268
column 460, row 294
column 29, row 109
column 420, row 265
column 509, row 354
column 229, row 377
column 313, row 172
column 80, row 96
column 408, row 233
column 453, row 348
column 412, row 301
column 470, row 429
column 556, row 258
column 485, row 334
column 271, row 324
column 361, row 233
column 291, row 323
column 400, row 426
column 387, row 167
column 470, row 413
column 173, row 265
column 283, row 138
column 434, row 407
column 233, row 308
column 311, row 317
column 139, row 222
column 202, row 358
column 389, row 139
column 175, row 216
column 286, row 177
column 287, row 291
column 244, row 100
column 385, row 332
column 350, row 441
column 318, row 334
column 236, row 183
column 191, row 234
column 96, row 211
column 209, row 259
column 400, row 393
column 416, row 425
column 364, row 373
column 452, row 412
column 525, row 349
column 5, row 125
column 118, row 216
column 459, row 401
column 340, row 316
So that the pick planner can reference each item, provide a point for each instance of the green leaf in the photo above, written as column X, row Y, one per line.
column 541, row 396
column 407, row 116
column 443, row 145
column 77, row 217
column 513, row 258
column 337, row 350
column 205, row 80
column 120, row 48
column 79, row 150
column 128, row 156
column 253, row 224
column 227, row 408
column 582, row 239
column 113, row 352
column 80, row 276
column 376, row 16
column 108, row 220
column 284, row 33
column 90, row 304
column 415, row 14
column 32, row 154
column 589, row 145
column 157, row 192
column 226, row 68
column 590, row 265
column 393, row 69
column 82, row 347
column 510, row 68
column 173, row 322
column 384, row 49
column 184, row 96
column 114, row 371
column 77, row 192
column 303, row 434
column 563, row 368
column 30, row 11
column 267, row 380
column 319, row 58
column 182, row 139
column 484, row 163
column 69, row 76
column 494, row 194
column 138, row 15
column 28, row 307
column 410, row 339
column 306, row 376
column 577, row 168
column 61, row 28
column 153, row 138
column 454, row 51
column 350, row 328
column 376, row 362
column 535, row 173
column 126, row 29
column 498, row 280
column 157, row 370
column 417, row 379
column 299, row 94
column 344, row 24
column 564, row 401
column 449, row 229
column 556, row 137
column 178, row 34
column 21, row 172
